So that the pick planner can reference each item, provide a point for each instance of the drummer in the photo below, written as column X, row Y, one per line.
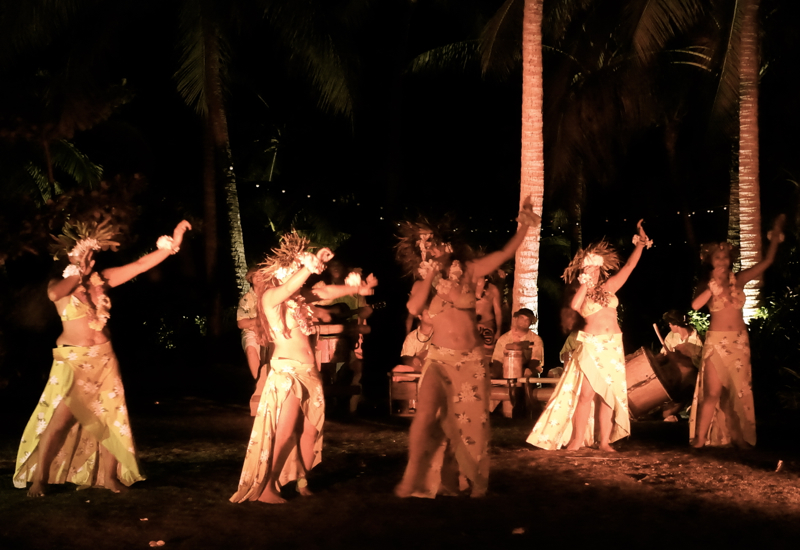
column 684, row 348
column 520, row 337
column 415, row 346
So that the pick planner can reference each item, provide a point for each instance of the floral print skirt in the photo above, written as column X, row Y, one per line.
column 598, row 360
column 87, row 381
column 463, row 417
column 286, row 377
column 735, row 416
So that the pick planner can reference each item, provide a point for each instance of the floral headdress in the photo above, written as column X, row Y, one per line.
column 709, row 249
column 77, row 239
column 599, row 254
column 416, row 239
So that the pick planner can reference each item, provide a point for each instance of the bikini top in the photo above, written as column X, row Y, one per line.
column 719, row 301
column 452, row 295
column 71, row 308
column 590, row 307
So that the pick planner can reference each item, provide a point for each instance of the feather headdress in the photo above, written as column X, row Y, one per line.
column 600, row 254
column 709, row 249
column 77, row 239
column 283, row 261
column 416, row 239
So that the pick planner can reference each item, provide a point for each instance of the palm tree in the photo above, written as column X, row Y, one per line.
column 650, row 25
column 737, row 93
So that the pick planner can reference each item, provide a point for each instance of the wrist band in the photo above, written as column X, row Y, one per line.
column 71, row 270
column 165, row 242
column 646, row 242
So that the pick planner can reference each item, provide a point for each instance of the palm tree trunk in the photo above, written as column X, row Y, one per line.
column 526, row 274
column 749, row 195
column 222, row 148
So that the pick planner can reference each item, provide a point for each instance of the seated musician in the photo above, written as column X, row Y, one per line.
column 520, row 337
column 352, row 313
column 415, row 346
column 684, row 348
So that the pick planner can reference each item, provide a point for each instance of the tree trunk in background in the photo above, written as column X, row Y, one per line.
column 218, row 161
column 526, row 272
column 749, row 195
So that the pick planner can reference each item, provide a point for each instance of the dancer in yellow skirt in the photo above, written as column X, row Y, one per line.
column 722, row 409
column 286, row 441
column 79, row 431
column 449, row 434
column 593, row 383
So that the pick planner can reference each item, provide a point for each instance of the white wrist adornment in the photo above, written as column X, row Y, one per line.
column 165, row 242
column 71, row 270
column 646, row 242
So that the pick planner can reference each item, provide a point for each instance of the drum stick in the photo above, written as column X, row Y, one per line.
column 660, row 339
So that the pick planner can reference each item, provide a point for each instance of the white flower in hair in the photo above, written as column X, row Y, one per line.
column 593, row 260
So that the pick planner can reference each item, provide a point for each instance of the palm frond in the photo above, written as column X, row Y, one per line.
column 501, row 40
column 67, row 158
column 318, row 39
column 459, row 56
column 724, row 107
column 659, row 21
column 193, row 45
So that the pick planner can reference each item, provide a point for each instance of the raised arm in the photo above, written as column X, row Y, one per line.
column 331, row 292
column 616, row 281
column 775, row 238
column 489, row 263
column 166, row 247
column 418, row 299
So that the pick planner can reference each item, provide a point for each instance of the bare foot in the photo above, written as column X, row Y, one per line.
column 115, row 486
column 574, row 446
column 403, row 490
column 606, row 448
column 38, row 489
column 305, row 491
column 271, row 496
column 697, row 443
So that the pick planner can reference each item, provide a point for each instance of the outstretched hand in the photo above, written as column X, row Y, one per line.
column 777, row 229
column 640, row 230
column 369, row 284
column 526, row 214
column 180, row 229
column 324, row 255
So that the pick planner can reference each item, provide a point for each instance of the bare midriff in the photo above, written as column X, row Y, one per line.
column 602, row 322
column 455, row 329
column 78, row 333
column 296, row 347
column 727, row 319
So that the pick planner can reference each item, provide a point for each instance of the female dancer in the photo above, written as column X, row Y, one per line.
column 286, row 441
column 79, row 431
column 450, row 430
column 594, row 378
column 722, row 409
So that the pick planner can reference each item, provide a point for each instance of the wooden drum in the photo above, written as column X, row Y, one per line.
column 650, row 384
column 513, row 363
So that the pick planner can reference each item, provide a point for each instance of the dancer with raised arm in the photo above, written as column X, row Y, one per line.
column 79, row 431
column 722, row 408
column 449, row 434
column 286, row 441
column 593, row 383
